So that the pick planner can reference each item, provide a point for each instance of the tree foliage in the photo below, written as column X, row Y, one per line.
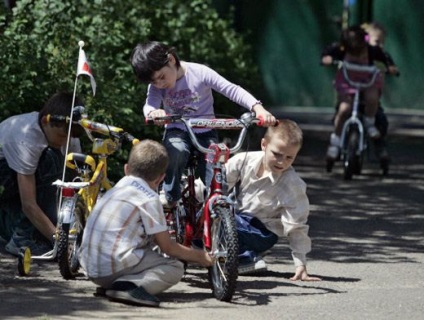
column 39, row 52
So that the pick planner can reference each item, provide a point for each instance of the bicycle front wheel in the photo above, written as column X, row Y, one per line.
column 70, row 237
column 353, row 160
column 223, row 274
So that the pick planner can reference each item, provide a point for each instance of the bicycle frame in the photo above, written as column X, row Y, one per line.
column 215, row 222
column 354, row 118
column 217, row 155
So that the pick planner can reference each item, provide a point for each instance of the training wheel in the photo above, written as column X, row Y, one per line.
column 24, row 261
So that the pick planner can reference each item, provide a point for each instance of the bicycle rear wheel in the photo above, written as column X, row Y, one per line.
column 70, row 237
column 174, row 218
column 223, row 274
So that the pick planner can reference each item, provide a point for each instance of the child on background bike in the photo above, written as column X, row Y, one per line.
column 117, row 246
column 376, row 37
column 271, row 200
column 184, row 88
column 376, row 33
column 354, row 48
column 31, row 158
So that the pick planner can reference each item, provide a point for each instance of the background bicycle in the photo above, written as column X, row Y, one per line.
column 354, row 142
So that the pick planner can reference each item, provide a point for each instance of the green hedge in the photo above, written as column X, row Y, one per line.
column 39, row 53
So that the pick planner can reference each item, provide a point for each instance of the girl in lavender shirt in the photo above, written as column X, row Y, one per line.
column 179, row 87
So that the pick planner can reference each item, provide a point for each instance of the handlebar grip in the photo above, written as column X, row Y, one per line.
column 262, row 121
column 166, row 119
column 149, row 121
column 57, row 118
column 131, row 138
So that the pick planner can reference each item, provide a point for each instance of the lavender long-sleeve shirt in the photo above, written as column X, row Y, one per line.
column 192, row 94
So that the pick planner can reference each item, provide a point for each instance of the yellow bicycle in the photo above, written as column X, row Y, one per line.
column 78, row 197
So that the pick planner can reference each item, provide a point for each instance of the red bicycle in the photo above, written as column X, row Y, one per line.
column 210, row 222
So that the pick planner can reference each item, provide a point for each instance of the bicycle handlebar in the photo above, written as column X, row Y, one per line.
column 98, row 127
column 245, row 121
column 370, row 69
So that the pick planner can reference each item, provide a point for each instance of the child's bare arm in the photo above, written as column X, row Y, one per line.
column 30, row 207
column 176, row 250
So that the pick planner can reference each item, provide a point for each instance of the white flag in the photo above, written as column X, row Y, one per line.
column 84, row 68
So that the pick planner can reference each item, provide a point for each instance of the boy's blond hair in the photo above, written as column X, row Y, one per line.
column 148, row 160
column 377, row 33
column 288, row 131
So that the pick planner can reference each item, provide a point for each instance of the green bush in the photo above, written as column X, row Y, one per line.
column 39, row 53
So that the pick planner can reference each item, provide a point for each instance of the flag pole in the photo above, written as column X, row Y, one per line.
column 80, row 44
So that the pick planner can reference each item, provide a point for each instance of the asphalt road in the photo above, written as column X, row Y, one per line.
column 368, row 247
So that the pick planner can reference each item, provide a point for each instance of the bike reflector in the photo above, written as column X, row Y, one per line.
column 68, row 192
column 218, row 153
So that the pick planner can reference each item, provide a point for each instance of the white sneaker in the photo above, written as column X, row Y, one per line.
column 37, row 248
column 333, row 152
column 372, row 131
column 165, row 203
column 253, row 267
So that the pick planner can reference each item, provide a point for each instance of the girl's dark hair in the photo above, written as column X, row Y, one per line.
column 353, row 39
column 147, row 58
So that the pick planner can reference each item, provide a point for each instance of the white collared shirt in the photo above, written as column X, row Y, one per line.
column 279, row 201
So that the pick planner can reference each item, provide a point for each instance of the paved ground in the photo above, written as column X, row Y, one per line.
column 368, row 246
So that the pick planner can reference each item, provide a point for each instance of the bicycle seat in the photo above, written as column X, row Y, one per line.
column 74, row 160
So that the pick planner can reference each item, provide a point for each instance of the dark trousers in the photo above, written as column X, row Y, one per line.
column 12, row 218
column 254, row 237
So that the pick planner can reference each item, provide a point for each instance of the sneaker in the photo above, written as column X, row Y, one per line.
column 372, row 131
column 100, row 292
column 384, row 155
column 252, row 267
column 137, row 296
column 18, row 242
column 333, row 152
column 165, row 202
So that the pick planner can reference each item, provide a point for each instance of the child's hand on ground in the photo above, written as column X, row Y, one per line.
column 302, row 274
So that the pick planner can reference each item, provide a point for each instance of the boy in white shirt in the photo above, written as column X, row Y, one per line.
column 272, row 200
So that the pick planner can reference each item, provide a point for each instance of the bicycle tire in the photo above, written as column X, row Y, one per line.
column 69, row 239
column 352, row 160
column 223, row 274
